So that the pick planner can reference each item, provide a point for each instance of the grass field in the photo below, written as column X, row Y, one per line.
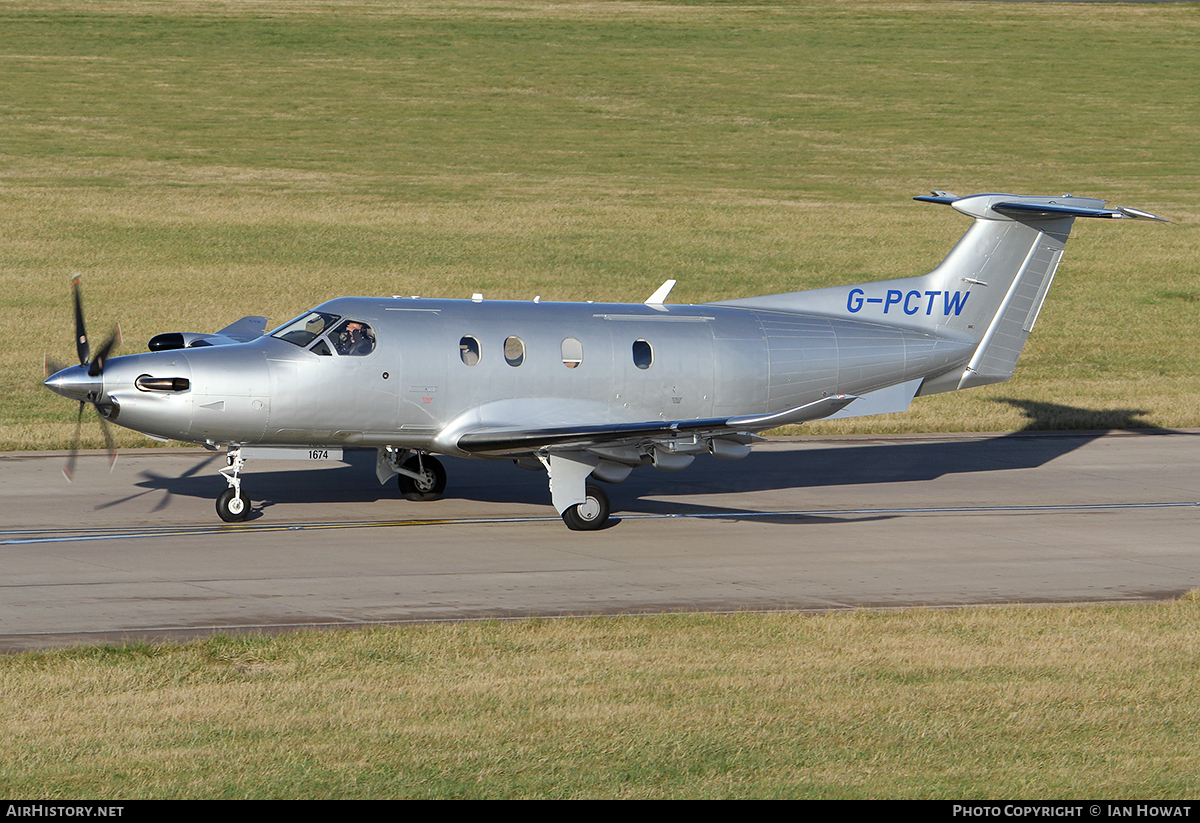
column 1009, row 702
column 199, row 161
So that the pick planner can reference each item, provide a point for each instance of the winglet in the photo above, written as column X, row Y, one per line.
column 660, row 296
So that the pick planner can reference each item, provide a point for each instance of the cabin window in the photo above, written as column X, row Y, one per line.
column 572, row 352
column 643, row 355
column 321, row 348
column 468, row 350
column 353, row 338
column 514, row 351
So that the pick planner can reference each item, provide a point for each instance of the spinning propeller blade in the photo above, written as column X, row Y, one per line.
column 95, row 368
column 81, row 342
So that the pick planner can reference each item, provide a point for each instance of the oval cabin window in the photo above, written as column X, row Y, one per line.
column 514, row 351
column 468, row 350
column 643, row 355
column 572, row 352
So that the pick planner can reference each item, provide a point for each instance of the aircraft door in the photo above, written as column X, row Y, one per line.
column 418, row 360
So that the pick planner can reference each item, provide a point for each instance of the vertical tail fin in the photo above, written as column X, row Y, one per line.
column 1005, row 263
column 988, row 291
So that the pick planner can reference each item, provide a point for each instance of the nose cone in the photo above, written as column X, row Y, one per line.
column 75, row 383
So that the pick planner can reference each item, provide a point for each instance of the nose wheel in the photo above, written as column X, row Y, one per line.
column 233, row 506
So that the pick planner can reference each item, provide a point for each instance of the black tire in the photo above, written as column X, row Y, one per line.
column 233, row 508
column 591, row 514
column 432, row 483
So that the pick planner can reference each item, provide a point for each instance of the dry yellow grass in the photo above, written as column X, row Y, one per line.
column 1032, row 702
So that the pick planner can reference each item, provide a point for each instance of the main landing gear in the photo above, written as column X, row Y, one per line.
column 419, row 475
column 422, row 477
column 583, row 505
column 591, row 514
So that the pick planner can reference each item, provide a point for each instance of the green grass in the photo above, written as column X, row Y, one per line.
column 978, row 703
column 199, row 161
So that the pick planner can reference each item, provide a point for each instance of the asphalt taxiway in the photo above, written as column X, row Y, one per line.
column 800, row 524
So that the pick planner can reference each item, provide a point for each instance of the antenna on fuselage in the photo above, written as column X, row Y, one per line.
column 659, row 297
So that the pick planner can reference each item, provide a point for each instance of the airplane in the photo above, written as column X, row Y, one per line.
column 586, row 391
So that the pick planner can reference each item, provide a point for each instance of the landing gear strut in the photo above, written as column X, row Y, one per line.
column 233, row 506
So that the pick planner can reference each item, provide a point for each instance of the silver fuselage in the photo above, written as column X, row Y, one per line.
column 412, row 390
column 590, row 389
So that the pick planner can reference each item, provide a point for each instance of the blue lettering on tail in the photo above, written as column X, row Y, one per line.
column 957, row 302
column 953, row 302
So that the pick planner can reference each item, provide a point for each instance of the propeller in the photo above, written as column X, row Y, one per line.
column 95, row 369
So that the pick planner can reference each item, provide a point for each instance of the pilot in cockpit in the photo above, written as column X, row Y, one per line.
column 354, row 339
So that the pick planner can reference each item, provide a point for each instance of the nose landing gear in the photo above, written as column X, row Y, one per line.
column 233, row 506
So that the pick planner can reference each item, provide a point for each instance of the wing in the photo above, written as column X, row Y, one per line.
column 494, row 440
column 243, row 331
column 246, row 329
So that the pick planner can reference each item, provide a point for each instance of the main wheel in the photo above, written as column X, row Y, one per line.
column 591, row 514
column 432, row 482
column 233, row 508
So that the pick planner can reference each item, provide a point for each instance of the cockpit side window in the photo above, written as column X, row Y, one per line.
column 353, row 338
column 306, row 328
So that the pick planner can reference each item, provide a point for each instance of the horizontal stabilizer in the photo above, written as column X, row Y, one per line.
column 1035, row 208
column 1054, row 210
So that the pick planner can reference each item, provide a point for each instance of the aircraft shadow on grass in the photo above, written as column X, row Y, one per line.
column 838, row 464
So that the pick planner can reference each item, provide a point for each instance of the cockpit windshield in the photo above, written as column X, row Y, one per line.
column 304, row 329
